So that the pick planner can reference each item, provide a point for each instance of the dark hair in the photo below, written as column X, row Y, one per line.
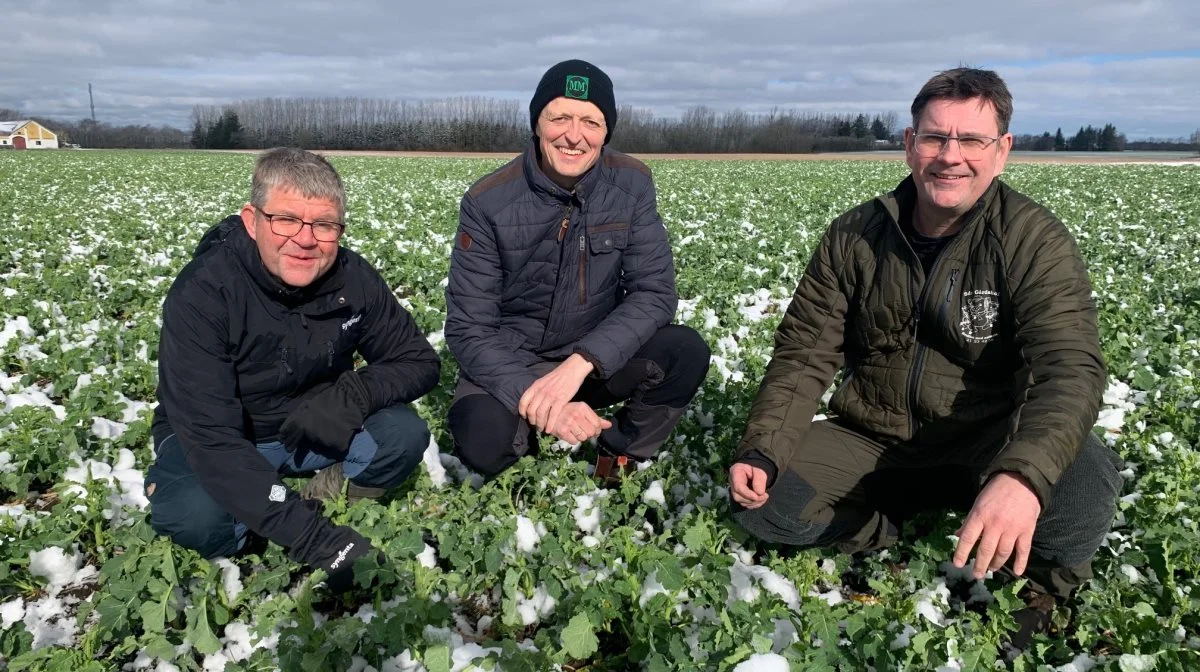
column 965, row 84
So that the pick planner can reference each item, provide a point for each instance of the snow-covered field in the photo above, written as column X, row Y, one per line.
column 539, row 569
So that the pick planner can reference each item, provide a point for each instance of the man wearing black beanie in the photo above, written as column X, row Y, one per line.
column 561, row 293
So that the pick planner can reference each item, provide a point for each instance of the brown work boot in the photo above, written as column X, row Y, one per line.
column 328, row 483
column 612, row 469
column 1036, row 618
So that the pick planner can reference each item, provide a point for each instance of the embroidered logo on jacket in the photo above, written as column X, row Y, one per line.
column 351, row 322
column 278, row 493
column 980, row 310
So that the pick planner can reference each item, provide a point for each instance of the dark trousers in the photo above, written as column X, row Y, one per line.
column 845, row 490
column 381, row 456
column 658, row 382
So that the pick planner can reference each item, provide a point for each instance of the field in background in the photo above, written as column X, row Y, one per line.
column 539, row 570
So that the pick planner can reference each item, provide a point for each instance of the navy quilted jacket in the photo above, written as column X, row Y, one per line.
column 539, row 273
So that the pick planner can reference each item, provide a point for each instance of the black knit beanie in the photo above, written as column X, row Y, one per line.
column 579, row 80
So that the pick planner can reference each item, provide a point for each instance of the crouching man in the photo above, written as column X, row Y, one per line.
column 257, row 377
column 562, row 291
column 961, row 315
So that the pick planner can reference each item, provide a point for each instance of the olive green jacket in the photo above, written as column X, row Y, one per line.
column 1002, row 330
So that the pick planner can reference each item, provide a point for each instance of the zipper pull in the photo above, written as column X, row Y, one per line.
column 566, row 222
column 329, row 352
column 284, row 358
column 950, row 289
column 582, row 243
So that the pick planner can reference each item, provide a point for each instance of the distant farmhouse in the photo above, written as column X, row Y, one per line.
column 26, row 134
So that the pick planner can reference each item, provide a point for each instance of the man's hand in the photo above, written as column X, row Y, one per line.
column 327, row 418
column 748, row 485
column 546, row 397
column 1002, row 521
column 577, row 422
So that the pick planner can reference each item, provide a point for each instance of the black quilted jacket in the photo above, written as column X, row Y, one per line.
column 538, row 273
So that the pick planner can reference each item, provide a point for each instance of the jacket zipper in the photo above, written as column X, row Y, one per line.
column 583, row 257
column 566, row 222
column 329, row 354
column 914, row 376
column 283, row 359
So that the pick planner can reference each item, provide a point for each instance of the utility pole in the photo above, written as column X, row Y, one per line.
column 92, row 102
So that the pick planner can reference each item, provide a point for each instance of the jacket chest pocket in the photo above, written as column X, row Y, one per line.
column 600, row 249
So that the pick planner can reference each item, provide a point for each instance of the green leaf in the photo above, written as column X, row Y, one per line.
column 1144, row 379
column 979, row 659
column 579, row 637
column 670, row 572
column 697, row 537
column 437, row 658
column 154, row 615
column 199, row 632
column 1144, row 609
column 822, row 624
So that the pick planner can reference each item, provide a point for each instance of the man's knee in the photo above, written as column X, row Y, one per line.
column 401, row 437
column 184, row 512
column 784, row 518
column 682, row 356
column 484, row 433
column 770, row 524
column 1083, row 504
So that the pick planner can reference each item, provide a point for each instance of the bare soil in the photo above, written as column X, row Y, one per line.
column 1031, row 157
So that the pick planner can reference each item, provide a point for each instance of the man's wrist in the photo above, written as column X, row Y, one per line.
column 580, row 365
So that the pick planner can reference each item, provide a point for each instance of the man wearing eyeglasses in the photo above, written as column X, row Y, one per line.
column 961, row 317
column 257, row 377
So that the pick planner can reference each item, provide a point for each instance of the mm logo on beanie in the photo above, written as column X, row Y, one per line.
column 577, row 87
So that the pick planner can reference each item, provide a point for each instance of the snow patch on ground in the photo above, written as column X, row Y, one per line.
column 654, row 494
column 745, row 580
column 126, row 483
column 763, row 662
column 51, row 619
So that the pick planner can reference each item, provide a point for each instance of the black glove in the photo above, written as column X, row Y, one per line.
column 327, row 420
column 339, row 569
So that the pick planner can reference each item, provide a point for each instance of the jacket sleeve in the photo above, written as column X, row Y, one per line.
column 401, row 364
column 198, row 389
column 1058, row 341
column 808, row 354
column 473, row 331
column 648, row 283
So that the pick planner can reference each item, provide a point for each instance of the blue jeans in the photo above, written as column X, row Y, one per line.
column 383, row 455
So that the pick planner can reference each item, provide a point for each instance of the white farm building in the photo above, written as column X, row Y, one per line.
column 26, row 134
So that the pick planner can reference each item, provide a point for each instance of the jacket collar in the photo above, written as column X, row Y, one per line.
column 903, row 199
column 545, row 187
column 232, row 232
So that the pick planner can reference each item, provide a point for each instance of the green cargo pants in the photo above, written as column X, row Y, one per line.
column 845, row 490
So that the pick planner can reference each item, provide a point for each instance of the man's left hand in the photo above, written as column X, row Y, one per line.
column 546, row 397
column 1002, row 521
column 328, row 417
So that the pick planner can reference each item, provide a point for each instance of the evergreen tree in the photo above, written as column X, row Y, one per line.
column 1060, row 143
column 879, row 129
column 860, row 127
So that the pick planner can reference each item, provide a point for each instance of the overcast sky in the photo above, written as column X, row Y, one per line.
column 1134, row 64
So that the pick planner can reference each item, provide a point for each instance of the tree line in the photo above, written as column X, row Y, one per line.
column 489, row 125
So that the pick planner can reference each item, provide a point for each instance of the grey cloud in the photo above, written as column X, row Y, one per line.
column 152, row 60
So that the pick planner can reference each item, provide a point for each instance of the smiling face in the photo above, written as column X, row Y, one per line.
column 300, row 259
column 948, row 183
column 570, row 135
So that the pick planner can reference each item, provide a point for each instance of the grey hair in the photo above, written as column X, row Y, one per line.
column 290, row 168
